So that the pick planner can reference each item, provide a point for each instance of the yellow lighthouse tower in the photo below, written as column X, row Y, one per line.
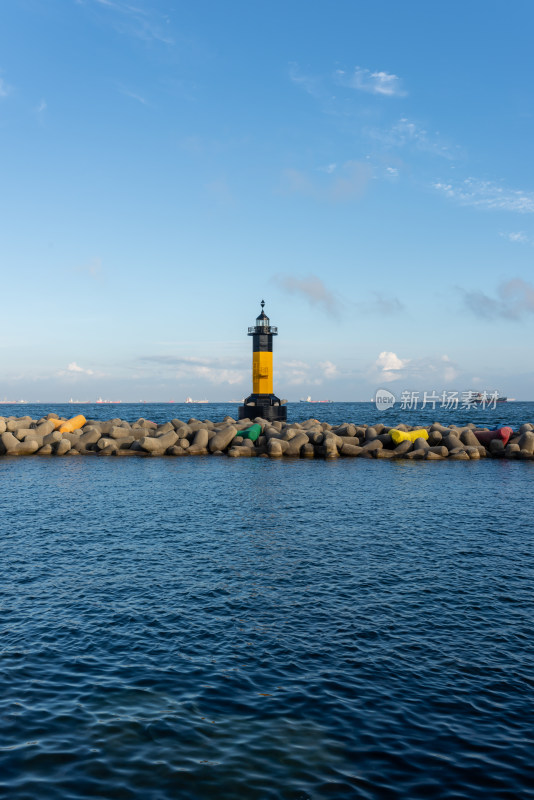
column 262, row 402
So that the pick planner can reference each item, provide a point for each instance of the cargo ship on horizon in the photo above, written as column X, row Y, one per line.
column 309, row 400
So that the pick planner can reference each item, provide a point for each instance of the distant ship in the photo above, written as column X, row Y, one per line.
column 107, row 401
column 188, row 400
column 309, row 400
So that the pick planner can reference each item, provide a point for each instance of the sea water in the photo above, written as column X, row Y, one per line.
column 250, row 628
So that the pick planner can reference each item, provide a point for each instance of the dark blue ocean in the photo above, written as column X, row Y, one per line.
column 199, row 628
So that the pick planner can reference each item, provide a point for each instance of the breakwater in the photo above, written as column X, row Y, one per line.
column 56, row 436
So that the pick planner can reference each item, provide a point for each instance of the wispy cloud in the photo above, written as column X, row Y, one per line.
column 312, row 289
column 74, row 369
column 214, row 374
column 337, row 185
column 327, row 88
column 388, row 304
column 381, row 303
column 514, row 300
column 175, row 361
column 133, row 95
column 517, row 237
column 488, row 195
column 5, row 89
column 382, row 83
column 295, row 364
column 329, row 369
column 207, row 369
column 142, row 23
column 41, row 108
column 311, row 84
column 407, row 133
column 300, row 373
column 389, row 367
column 450, row 370
column 328, row 168
column 93, row 269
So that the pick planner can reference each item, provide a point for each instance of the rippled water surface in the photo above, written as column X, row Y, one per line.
column 226, row 628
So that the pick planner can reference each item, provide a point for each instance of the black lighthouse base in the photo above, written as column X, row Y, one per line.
column 267, row 406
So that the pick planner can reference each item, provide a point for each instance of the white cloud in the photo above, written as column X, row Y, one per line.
column 329, row 369
column 74, row 369
column 390, row 361
column 390, row 365
column 381, row 83
column 450, row 373
column 300, row 378
column 517, row 237
column 429, row 371
column 488, row 195
column 41, row 107
column 299, row 373
column 405, row 130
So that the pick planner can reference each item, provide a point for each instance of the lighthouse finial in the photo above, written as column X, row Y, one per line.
column 262, row 304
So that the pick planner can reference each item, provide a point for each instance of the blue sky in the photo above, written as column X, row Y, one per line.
column 367, row 168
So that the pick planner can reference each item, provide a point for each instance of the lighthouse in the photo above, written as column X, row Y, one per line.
column 262, row 402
